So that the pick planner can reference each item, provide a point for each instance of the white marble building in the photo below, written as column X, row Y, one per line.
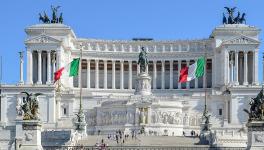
column 109, row 70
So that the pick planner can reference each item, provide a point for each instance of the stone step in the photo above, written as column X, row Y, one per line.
column 141, row 141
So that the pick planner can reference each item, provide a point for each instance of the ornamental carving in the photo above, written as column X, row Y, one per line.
column 42, row 39
column 259, row 138
column 241, row 40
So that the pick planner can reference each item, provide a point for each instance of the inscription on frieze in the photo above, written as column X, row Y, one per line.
column 29, row 127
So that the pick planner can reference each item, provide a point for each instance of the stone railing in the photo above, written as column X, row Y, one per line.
column 150, row 46
column 197, row 147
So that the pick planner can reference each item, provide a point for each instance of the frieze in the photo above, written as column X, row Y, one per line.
column 133, row 56
column 29, row 127
column 241, row 40
column 42, row 39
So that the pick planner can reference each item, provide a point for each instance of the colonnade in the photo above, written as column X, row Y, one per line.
column 46, row 66
column 110, row 67
column 242, row 67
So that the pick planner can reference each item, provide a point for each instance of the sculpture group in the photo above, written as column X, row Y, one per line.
column 239, row 19
column 256, row 111
column 54, row 19
column 29, row 107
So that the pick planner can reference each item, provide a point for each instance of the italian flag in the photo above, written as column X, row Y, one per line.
column 71, row 69
column 195, row 70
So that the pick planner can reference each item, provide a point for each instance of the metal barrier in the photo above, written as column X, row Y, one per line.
column 198, row 147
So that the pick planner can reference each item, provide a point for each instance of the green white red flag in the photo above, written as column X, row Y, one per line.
column 70, row 69
column 195, row 70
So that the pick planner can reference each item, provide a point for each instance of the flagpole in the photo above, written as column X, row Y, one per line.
column 80, row 82
column 205, row 78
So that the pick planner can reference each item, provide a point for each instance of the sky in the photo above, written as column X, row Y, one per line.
column 119, row 19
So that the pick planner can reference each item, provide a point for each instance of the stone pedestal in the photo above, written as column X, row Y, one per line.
column 28, row 135
column 81, row 124
column 206, row 136
column 255, row 135
column 143, row 84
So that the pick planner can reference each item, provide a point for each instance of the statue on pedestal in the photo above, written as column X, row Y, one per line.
column 256, row 112
column 142, row 60
column 30, row 106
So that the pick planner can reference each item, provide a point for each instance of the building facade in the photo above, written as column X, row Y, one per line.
column 109, row 72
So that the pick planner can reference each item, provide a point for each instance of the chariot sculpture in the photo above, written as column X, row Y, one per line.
column 55, row 17
column 231, row 19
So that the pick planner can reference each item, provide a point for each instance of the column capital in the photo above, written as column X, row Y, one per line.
column 105, row 61
column 236, row 51
column 121, row 61
column 39, row 51
column 245, row 52
column 96, row 60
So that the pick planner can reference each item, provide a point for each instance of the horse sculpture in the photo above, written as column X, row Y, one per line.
column 231, row 19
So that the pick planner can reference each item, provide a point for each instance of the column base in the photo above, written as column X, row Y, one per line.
column 48, row 82
column 20, row 82
column 39, row 82
column 236, row 83
column 255, row 83
column 245, row 83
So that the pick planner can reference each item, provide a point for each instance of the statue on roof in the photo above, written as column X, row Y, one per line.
column 231, row 19
column 55, row 17
column 143, row 60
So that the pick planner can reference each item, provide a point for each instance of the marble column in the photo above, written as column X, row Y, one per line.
column 188, row 82
column 130, row 75
column 138, row 69
column 227, row 69
column 29, row 67
column 255, row 67
column 236, row 68
column 154, row 74
column 48, row 68
column 105, row 74
column 121, row 74
column 196, row 83
column 113, row 74
column 171, row 74
column 96, row 74
column 3, row 107
column 88, row 73
column 21, row 81
column 179, row 72
column 232, row 68
column 240, row 70
column 52, row 107
column 245, row 68
column 162, row 74
column 147, row 68
column 53, row 65
column 39, row 68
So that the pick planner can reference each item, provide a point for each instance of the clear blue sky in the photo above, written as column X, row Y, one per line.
column 119, row 19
